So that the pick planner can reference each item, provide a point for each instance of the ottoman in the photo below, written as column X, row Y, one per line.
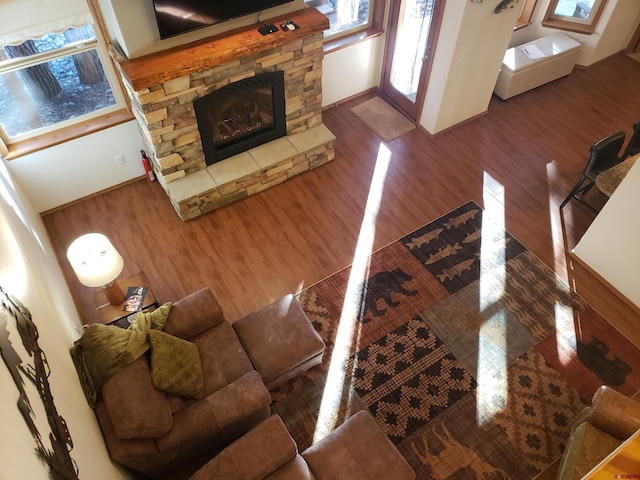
column 280, row 341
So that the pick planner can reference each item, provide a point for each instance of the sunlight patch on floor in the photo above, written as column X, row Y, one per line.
column 555, row 221
column 353, row 301
column 565, row 328
column 564, row 313
column 492, row 362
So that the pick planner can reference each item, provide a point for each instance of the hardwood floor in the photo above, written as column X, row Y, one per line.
column 521, row 158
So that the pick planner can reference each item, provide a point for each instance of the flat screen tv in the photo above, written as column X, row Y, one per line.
column 179, row 16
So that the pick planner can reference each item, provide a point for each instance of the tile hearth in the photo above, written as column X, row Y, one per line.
column 250, row 172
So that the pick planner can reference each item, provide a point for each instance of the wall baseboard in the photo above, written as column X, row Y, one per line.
column 96, row 194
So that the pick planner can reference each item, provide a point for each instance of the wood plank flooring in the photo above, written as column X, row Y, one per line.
column 521, row 158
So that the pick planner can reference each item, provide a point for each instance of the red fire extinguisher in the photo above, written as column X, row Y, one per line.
column 146, row 163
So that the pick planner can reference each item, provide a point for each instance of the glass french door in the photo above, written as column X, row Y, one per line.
column 411, row 35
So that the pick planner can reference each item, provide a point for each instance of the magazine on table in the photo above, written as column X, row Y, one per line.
column 134, row 299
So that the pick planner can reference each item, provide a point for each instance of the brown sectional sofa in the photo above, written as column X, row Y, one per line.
column 154, row 432
column 356, row 450
column 226, row 430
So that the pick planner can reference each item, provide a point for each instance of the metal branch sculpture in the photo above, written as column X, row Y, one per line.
column 504, row 4
column 61, row 465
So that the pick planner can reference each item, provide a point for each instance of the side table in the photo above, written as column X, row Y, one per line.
column 113, row 314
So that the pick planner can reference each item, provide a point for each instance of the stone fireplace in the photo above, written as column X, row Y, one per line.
column 204, row 112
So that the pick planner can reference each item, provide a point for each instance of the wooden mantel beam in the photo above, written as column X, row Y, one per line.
column 176, row 62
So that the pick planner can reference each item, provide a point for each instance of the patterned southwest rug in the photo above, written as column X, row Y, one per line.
column 470, row 353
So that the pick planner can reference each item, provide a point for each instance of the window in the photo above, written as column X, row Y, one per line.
column 350, row 20
column 54, row 74
column 573, row 15
column 343, row 15
column 49, row 82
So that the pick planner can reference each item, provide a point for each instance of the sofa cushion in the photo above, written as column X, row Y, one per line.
column 175, row 365
column 136, row 409
column 253, row 456
column 218, row 419
column 193, row 314
column 222, row 357
column 296, row 469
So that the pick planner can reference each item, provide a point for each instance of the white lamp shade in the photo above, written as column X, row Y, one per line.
column 95, row 261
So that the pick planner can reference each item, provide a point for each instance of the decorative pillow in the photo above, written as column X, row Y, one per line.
column 175, row 365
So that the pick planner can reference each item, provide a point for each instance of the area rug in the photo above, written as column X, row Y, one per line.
column 470, row 353
column 383, row 119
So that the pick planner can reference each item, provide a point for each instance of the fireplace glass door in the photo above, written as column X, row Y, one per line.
column 241, row 116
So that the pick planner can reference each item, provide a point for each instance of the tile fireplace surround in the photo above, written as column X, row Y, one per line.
column 163, row 86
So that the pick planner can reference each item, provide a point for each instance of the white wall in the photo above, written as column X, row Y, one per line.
column 613, row 31
column 29, row 271
column 79, row 168
column 616, row 230
column 365, row 69
column 132, row 24
column 468, row 57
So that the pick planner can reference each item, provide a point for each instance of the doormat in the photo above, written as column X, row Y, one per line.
column 471, row 354
column 383, row 119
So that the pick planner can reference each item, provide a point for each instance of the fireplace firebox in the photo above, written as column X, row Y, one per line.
column 241, row 116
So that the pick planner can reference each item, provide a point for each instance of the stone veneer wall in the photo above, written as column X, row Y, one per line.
column 166, row 115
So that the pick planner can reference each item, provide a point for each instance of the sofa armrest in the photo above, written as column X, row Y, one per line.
column 255, row 455
column 357, row 450
column 193, row 314
column 613, row 412
column 139, row 454
column 219, row 418
column 136, row 408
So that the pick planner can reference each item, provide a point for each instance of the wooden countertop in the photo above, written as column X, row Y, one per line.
column 609, row 247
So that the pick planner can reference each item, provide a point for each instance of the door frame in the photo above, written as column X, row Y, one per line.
column 413, row 110
column 634, row 43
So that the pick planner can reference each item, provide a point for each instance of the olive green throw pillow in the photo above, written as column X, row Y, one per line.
column 175, row 365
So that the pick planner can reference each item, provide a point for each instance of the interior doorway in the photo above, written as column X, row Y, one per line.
column 412, row 32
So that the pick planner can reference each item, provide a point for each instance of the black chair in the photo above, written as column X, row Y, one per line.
column 604, row 155
column 633, row 147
